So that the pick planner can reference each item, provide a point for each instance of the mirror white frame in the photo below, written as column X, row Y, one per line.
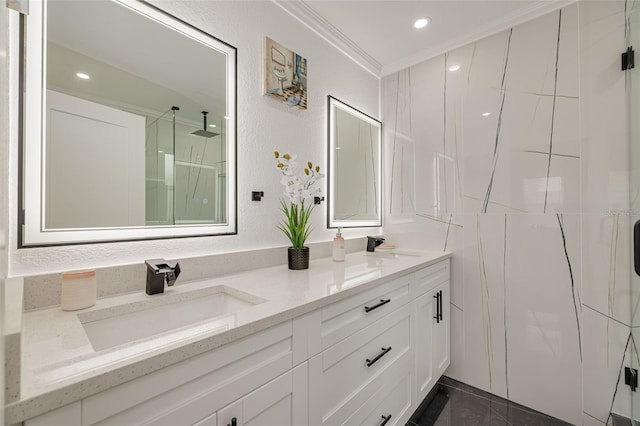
column 333, row 105
column 33, row 231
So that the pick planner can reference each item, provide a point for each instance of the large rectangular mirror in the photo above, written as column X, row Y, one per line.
column 355, row 159
column 129, row 128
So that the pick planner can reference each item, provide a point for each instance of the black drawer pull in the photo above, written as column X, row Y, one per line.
column 234, row 422
column 382, row 302
column 437, row 317
column 636, row 247
column 385, row 420
column 385, row 351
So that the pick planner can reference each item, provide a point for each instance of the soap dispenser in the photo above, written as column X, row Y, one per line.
column 338, row 247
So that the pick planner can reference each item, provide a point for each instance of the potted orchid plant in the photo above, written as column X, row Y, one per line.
column 297, row 205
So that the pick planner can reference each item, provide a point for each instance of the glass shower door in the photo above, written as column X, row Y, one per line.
column 186, row 166
column 200, row 172
column 159, row 168
column 632, row 81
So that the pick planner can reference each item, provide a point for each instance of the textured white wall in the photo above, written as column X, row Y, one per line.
column 264, row 125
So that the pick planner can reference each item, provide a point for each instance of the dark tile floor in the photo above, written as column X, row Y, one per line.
column 453, row 403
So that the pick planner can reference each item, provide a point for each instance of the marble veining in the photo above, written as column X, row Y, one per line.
column 446, row 238
column 395, row 135
column 496, row 148
column 553, row 113
column 630, row 339
column 486, row 309
column 504, row 310
column 573, row 287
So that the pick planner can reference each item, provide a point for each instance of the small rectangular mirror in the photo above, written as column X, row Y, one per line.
column 355, row 160
column 129, row 128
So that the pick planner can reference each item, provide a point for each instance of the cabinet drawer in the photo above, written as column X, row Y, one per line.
column 346, row 317
column 369, row 399
column 192, row 390
column 281, row 402
column 428, row 278
column 340, row 372
column 391, row 403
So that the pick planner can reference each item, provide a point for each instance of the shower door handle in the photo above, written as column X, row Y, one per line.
column 636, row 247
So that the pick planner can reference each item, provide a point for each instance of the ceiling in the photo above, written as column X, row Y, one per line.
column 379, row 34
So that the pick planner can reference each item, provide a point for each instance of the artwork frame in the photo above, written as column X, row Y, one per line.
column 284, row 74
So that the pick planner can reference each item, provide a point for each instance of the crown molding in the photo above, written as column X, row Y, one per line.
column 535, row 10
column 318, row 24
column 315, row 22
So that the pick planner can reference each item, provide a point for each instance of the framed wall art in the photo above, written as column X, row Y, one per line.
column 284, row 74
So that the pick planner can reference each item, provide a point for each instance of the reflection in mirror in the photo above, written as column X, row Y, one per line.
column 355, row 158
column 133, row 135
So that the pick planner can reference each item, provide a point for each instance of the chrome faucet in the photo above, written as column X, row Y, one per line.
column 373, row 242
column 158, row 272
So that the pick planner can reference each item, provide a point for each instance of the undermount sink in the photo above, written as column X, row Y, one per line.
column 110, row 327
column 394, row 253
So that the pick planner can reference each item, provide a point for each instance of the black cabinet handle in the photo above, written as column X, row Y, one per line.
column 636, row 247
column 385, row 351
column 385, row 420
column 382, row 302
column 437, row 317
column 234, row 422
column 440, row 301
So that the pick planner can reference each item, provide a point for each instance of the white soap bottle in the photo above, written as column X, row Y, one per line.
column 338, row 247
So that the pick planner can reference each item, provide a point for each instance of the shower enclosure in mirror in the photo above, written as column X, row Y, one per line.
column 129, row 128
column 355, row 159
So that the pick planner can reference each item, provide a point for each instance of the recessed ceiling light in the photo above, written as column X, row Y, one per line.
column 161, row 151
column 337, row 147
column 454, row 67
column 226, row 117
column 83, row 76
column 486, row 114
column 421, row 23
column 212, row 125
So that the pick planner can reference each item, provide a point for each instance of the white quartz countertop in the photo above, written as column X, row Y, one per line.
column 60, row 365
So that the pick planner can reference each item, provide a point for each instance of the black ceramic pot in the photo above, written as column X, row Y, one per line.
column 298, row 258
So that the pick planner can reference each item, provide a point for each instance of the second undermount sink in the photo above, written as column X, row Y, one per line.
column 110, row 327
column 394, row 253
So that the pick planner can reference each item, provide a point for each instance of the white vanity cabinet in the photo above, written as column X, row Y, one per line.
column 431, row 326
column 190, row 391
column 281, row 402
column 382, row 351
column 441, row 331
column 368, row 359
column 344, row 376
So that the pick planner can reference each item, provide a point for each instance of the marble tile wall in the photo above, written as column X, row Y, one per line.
column 513, row 153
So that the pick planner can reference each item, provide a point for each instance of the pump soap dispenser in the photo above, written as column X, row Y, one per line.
column 338, row 247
